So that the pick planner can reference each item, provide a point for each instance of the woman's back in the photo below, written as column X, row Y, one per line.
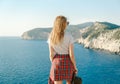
column 63, row 47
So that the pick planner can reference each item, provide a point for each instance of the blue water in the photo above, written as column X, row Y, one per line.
column 27, row 62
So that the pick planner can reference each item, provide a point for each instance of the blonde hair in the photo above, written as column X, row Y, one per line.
column 57, row 33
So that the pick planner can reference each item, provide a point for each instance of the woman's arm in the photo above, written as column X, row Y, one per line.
column 51, row 51
column 71, row 53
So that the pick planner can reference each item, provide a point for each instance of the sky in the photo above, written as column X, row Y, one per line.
column 18, row 16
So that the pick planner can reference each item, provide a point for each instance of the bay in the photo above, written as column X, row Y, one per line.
column 27, row 62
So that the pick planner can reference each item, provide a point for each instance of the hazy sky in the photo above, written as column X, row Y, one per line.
column 18, row 16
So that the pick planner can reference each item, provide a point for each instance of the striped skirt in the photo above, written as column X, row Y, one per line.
column 62, row 68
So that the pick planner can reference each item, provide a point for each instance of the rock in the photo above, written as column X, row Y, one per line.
column 101, row 35
column 97, row 35
column 43, row 33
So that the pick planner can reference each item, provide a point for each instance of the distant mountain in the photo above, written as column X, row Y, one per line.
column 97, row 35
column 101, row 35
column 36, row 34
column 42, row 33
column 86, row 24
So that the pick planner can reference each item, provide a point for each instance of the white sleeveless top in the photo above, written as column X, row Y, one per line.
column 63, row 48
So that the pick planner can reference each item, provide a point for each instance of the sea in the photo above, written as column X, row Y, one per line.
column 27, row 62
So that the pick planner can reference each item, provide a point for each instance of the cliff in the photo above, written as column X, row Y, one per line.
column 97, row 35
column 36, row 34
column 101, row 35
column 43, row 33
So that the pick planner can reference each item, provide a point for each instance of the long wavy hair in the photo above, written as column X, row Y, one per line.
column 57, row 33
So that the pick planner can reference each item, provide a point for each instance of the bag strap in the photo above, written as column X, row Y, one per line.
column 73, row 77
